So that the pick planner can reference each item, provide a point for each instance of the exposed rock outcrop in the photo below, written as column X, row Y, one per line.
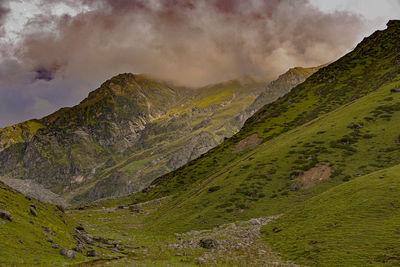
column 6, row 215
column 35, row 190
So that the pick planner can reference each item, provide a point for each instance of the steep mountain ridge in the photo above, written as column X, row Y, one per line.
column 73, row 142
column 282, row 86
column 306, row 130
column 126, row 133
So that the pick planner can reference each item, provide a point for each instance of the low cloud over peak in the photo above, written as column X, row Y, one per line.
column 189, row 42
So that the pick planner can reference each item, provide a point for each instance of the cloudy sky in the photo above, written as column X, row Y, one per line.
column 53, row 52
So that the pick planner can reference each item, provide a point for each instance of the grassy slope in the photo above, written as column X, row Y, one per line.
column 354, row 224
column 258, row 183
column 23, row 241
column 345, row 115
column 18, row 133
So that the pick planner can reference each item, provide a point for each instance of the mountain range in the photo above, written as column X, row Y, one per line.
column 302, row 176
column 128, row 132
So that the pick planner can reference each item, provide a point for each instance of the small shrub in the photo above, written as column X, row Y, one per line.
column 346, row 178
column 336, row 173
column 369, row 119
column 368, row 136
column 241, row 206
column 214, row 188
column 224, row 205
column 261, row 195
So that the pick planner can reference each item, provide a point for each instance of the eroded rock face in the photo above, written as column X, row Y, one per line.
column 276, row 89
column 35, row 190
column 197, row 145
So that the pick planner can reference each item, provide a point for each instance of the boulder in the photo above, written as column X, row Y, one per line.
column 208, row 243
column 68, row 254
column 102, row 240
column 33, row 211
column 6, row 215
column 296, row 186
column 395, row 90
column 255, row 222
column 92, row 253
column 135, row 209
column 130, row 246
column 47, row 229
column 79, row 248
column 80, row 228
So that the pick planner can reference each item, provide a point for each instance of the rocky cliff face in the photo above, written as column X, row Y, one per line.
column 276, row 89
column 128, row 132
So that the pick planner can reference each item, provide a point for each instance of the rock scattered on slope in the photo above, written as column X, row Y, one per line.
column 208, row 243
column 47, row 229
column 238, row 244
column 79, row 248
column 92, row 253
column 68, row 254
column 6, row 215
column 33, row 211
column 103, row 240
column 135, row 209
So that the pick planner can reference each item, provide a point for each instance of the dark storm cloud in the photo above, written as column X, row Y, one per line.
column 188, row 42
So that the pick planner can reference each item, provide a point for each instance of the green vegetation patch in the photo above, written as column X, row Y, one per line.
column 353, row 224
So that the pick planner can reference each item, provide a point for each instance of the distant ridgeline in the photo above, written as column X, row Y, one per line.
column 130, row 131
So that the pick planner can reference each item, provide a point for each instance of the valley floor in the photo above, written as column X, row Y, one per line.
column 234, row 244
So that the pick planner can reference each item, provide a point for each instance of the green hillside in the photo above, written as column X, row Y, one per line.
column 31, row 240
column 319, row 142
column 353, row 224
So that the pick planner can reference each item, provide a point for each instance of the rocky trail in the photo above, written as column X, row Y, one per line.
column 234, row 244
column 124, row 231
